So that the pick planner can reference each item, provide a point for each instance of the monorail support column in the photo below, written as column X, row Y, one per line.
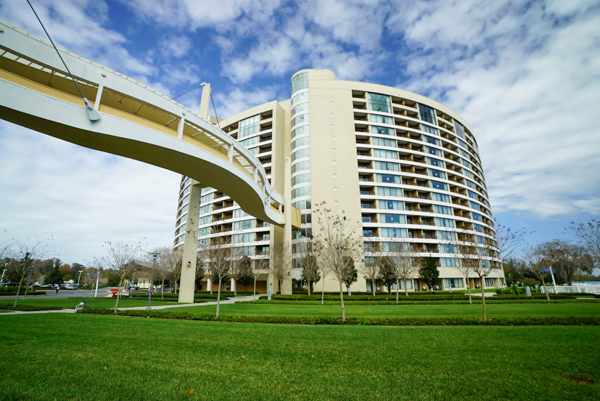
column 287, row 228
column 190, row 247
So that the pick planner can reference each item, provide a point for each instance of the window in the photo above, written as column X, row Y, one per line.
column 384, row 142
column 300, row 142
column 302, row 205
column 365, row 205
column 460, row 130
column 430, row 130
column 439, row 185
column 447, row 235
column 302, row 118
column 392, row 179
column 387, row 166
column 471, row 184
column 441, row 222
column 387, row 154
column 481, row 239
column 441, row 197
column 299, row 98
column 381, row 130
column 466, row 164
column 202, row 221
column 427, row 114
column 206, row 198
column 306, row 218
column 185, row 199
column 437, row 174
column 450, row 262
column 433, row 151
column 203, row 231
column 393, row 218
column 301, row 179
column 476, row 216
column 366, row 219
column 393, row 232
column 300, row 154
column 248, row 237
column 409, row 284
column 489, row 282
column 435, row 162
column 447, row 248
column 368, row 247
column 469, row 174
column 248, row 127
column 205, row 190
column 367, row 232
column 304, row 165
column 386, row 191
column 299, row 108
column 464, row 154
column 248, row 142
column 394, row 246
column 473, row 195
column 443, row 209
column 300, row 81
column 391, row 205
column 478, row 228
column 239, row 213
column 298, row 192
column 453, row 282
column 380, row 103
column 381, row 119
column 463, row 144
column 431, row 140
column 244, row 225
column 300, row 131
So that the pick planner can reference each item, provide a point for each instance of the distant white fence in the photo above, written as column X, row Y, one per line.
column 578, row 288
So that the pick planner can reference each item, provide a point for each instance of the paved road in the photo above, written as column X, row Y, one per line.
column 62, row 294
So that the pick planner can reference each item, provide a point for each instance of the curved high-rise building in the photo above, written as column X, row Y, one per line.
column 404, row 165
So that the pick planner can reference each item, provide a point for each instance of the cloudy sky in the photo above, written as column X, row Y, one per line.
column 525, row 74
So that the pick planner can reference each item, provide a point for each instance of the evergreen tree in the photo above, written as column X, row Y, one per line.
column 429, row 272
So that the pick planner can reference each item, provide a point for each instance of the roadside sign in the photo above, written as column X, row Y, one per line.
column 548, row 270
column 93, row 275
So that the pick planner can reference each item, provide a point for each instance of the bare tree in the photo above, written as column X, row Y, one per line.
column 24, row 252
column 469, row 261
column 510, row 241
column 483, row 268
column 370, row 269
column 120, row 257
column 309, row 265
column 162, row 269
column 258, row 266
column 538, row 266
column 280, row 263
column 219, row 256
column 173, row 266
column 589, row 236
column 567, row 258
column 403, row 264
column 340, row 244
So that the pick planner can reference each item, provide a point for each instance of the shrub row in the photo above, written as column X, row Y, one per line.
column 367, row 321
column 432, row 302
column 354, row 297
column 27, row 307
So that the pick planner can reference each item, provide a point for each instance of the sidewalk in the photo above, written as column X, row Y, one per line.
column 226, row 301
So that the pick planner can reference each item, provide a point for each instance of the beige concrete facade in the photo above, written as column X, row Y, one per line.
column 403, row 166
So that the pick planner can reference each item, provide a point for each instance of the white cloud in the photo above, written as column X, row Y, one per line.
column 527, row 82
column 81, row 197
column 237, row 100
column 175, row 46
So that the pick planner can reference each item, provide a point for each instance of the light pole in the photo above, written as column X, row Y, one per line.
column 151, row 281
column 3, row 271
column 79, row 279
column 30, row 271
column 132, row 284
column 97, row 281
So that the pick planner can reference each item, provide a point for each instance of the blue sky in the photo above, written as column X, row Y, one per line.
column 525, row 74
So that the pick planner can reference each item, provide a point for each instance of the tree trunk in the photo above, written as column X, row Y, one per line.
column 162, row 290
column 18, row 290
column 469, row 291
column 405, row 288
column 118, row 294
column 323, row 290
column 254, row 289
column 218, row 297
column 234, row 287
column 308, row 287
column 373, row 283
column 481, row 281
column 545, row 290
column 398, row 289
column 176, row 287
column 342, row 299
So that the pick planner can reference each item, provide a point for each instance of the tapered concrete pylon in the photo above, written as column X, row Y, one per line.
column 190, row 246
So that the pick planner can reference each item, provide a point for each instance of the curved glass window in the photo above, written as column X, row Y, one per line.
column 299, row 98
column 387, row 191
column 244, row 225
column 427, row 114
column 385, row 142
column 393, row 232
column 443, row 209
column 300, row 154
column 435, row 162
column 431, row 140
column 300, row 131
column 386, row 154
column 239, row 213
column 441, row 197
column 299, row 108
column 387, row 166
column 249, row 142
column 460, row 130
column 248, row 126
column 298, row 192
column 300, row 81
column 300, row 142
column 381, row 130
column 433, row 151
column 393, row 218
column 447, row 235
column 381, row 119
column 437, row 174
column 450, row 262
column 447, row 248
column 392, row 179
column 439, row 185
column 304, row 165
column 302, row 118
column 441, row 222
column 380, row 103
column 430, row 130
column 391, row 205
column 301, row 179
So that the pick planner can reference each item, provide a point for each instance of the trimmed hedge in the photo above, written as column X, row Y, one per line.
column 317, row 297
column 366, row 321
column 432, row 302
column 26, row 307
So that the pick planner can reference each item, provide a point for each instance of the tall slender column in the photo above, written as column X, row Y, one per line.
column 190, row 246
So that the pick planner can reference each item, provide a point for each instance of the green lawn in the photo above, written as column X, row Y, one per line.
column 70, row 303
column 90, row 357
column 465, row 310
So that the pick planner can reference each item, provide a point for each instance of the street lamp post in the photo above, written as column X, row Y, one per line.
column 151, row 281
column 30, row 271
column 3, row 271
column 97, row 282
column 79, row 279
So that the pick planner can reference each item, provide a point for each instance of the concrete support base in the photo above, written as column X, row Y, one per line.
column 190, row 247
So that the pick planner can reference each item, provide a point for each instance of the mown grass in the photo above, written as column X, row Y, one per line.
column 70, row 303
column 465, row 310
column 89, row 357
